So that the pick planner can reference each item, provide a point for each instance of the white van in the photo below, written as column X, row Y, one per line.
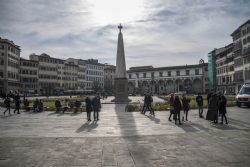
column 243, row 97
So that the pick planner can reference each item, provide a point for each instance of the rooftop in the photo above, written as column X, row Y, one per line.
column 9, row 42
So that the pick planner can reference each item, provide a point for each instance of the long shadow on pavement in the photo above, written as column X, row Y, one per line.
column 141, row 153
column 87, row 127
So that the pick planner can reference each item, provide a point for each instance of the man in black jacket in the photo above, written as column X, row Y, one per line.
column 96, row 103
column 17, row 103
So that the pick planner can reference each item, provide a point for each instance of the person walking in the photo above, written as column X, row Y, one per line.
column 17, row 103
column 177, row 109
column 7, row 105
column 186, row 106
column 222, row 108
column 88, row 108
column 199, row 101
column 144, row 104
column 147, row 105
column 171, row 103
column 96, row 103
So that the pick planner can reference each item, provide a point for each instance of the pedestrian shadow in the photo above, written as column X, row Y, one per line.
column 75, row 113
column 87, row 127
column 187, row 127
column 153, row 118
column 238, row 122
column 67, row 113
column 6, row 116
column 200, row 127
column 223, row 126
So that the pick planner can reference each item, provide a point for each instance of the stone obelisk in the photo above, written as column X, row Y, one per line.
column 121, row 81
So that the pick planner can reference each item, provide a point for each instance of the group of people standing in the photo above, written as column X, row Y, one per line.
column 176, row 105
column 93, row 105
column 216, row 107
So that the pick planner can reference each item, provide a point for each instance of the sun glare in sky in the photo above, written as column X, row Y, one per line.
column 115, row 11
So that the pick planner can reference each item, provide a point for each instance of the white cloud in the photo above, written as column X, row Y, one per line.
column 158, row 33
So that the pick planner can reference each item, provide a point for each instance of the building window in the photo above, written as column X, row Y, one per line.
column 187, row 72
column 152, row 74
column 2, row 47
column 137, row 75
column 169, row 73
column 196, row 71
column 129, row 76
column 160, row 74
column 144, row 75
column 177, row 73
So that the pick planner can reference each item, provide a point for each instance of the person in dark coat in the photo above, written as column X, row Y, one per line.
column 177, row 109
column 199, row 102
column 171, row 104
column 7, row 105
column 96, row 103
column 222, row 108
column 58, row 105
column 209, row 95
column 145, row 104
column 213, row 106
column 186, row 106
column 77, row 105
column 88, row 108
column 40, row 106
column 17, row 103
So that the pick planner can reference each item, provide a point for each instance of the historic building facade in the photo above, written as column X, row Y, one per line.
column 165, row 80
column 28, row 76
column 94, row 75
column 109, row 76
column 225, row 70
column 9, row 66
column 241, row 53
column 55, row 75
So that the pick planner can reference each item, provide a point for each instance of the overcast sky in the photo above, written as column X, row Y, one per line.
column 156, row 32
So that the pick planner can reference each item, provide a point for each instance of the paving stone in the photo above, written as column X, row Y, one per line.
column 123, row 139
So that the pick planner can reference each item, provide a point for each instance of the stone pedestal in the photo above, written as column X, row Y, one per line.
column 121, row 90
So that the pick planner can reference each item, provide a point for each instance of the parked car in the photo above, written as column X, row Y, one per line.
column 243, row 97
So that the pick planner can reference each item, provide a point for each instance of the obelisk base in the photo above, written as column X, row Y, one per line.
column 121, row 91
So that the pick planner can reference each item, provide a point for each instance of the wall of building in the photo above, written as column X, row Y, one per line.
column 9, row 65
column 187, row 79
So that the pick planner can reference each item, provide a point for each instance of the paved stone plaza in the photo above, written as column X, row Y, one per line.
column 123, row 139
